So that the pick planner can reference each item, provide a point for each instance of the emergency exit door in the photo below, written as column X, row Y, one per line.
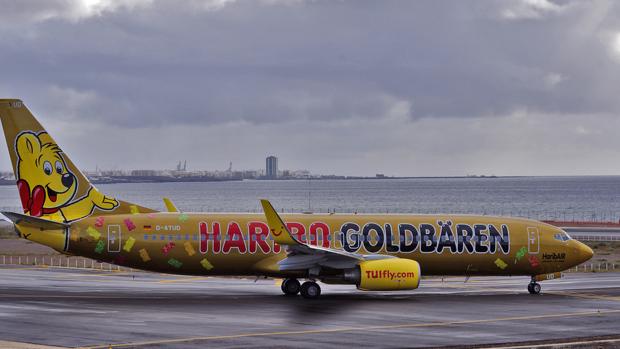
column 533, row 240
column 114, row 238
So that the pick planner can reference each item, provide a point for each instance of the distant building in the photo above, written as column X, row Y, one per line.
column 271, row 169
column 143, row 173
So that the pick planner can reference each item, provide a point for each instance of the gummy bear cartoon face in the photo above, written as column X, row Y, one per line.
column 44, row 181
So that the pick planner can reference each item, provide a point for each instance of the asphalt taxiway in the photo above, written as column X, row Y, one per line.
column 84, row 308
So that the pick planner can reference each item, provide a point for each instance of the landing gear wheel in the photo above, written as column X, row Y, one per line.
column 310, row 290
column 290, row 287
column 533, row 288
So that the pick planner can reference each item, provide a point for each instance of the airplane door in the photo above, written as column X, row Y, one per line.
column 114, row 238
column 533, row 240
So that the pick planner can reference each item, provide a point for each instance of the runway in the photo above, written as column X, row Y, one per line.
column 84, row 308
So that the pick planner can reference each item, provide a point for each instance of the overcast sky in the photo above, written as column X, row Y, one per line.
column 408, row 88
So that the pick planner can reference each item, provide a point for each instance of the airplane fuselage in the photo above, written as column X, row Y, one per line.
column 239, row 244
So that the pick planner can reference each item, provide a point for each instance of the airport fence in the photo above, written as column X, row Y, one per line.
column 601, row 238
column 60, row 261
column 595, row 267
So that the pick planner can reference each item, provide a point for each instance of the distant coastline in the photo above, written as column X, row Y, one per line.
column 192, row 179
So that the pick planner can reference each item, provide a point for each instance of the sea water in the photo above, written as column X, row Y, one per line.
column 595, row 198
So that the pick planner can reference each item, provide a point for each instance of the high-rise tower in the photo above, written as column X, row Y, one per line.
column 271, row 170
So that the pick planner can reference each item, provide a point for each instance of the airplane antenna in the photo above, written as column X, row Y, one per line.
column 309, row 188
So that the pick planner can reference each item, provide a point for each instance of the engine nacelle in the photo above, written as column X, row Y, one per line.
column 386, row 275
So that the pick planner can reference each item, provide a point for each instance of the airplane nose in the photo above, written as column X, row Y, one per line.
column 584, row 252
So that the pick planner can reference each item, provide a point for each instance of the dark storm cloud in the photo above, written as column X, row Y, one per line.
column 351, row 87
column 212, row 62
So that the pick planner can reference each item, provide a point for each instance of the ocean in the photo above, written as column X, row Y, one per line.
column 594, row 198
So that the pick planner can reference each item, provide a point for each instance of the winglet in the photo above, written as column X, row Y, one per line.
column 170, row 206
column 277, row 229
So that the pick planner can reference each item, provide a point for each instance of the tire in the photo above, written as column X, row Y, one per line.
column 310, row 290
column 533, row 288
column 290, row 287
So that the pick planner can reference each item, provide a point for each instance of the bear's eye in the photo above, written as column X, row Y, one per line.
column 47, row 168
column 59, row 168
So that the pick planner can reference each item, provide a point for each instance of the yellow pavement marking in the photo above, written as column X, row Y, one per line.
column 559, row 344
column 351, row 329
column 31, row 268
column 21, row 345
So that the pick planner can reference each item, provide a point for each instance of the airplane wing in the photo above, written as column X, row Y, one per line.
column 304, row 256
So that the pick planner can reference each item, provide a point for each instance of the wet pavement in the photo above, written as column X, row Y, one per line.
column 85, row 308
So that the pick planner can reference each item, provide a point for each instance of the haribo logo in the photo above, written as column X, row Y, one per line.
column 46, row 185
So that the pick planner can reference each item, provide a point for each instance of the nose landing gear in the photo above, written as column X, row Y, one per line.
column 533, row 287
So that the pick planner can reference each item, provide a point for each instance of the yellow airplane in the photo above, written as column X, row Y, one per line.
column 63, row 210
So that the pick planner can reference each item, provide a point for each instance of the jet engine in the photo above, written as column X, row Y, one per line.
column 391, row 274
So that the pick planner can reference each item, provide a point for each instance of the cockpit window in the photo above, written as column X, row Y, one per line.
column 561, row 236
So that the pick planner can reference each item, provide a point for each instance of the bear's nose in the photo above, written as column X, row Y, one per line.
column 67, row 180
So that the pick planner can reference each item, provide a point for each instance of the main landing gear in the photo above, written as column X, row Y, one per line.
column 308, row 290
column 533, row 287
column 290, row 287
